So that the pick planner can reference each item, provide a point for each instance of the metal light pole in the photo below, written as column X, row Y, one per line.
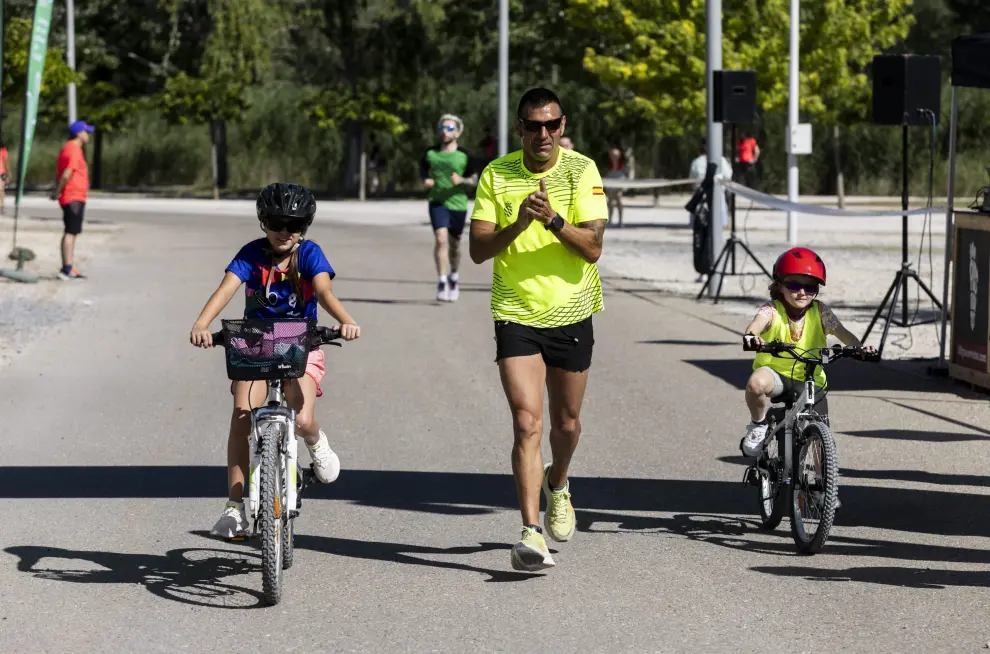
column 503, row 77
column 70, row 53
column 792, row 122
column 713, row 62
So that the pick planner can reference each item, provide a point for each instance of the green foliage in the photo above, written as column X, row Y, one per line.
column 198, row 100
column 238, row 52
column 332, row 109
column 652, row 53
column 55, row 77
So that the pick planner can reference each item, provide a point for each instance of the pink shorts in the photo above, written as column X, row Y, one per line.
column 315, row 368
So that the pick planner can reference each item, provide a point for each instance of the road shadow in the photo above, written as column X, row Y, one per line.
column 846, row 376
column 388, row 301
column 200, row 576
column 928, row 511
column 676, row 341
column 915, row 435
column 188, row 576
column 747, row 534
column 915, row 578
column 918, row 476
column 403, row 553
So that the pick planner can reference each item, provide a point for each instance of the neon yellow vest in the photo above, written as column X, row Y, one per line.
column 812, row 337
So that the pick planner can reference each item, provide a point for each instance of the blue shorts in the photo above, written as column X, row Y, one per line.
column 452, row 221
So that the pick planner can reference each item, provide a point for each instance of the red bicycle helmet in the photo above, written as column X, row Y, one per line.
column 799, row 261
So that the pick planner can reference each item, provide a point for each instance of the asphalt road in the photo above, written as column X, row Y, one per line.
column 112, row 446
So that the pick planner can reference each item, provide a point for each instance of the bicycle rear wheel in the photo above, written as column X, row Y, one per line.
column 771, row 476
column 814, row 488
column 272, row 514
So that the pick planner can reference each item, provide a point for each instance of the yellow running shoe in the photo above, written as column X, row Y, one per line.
column 559, row 520
column 530, row 553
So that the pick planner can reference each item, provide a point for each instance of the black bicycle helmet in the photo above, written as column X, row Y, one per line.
column 286, row 200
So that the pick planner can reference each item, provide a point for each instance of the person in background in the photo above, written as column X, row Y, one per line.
column 4, row 177
column 488, row 146
column 566, row 143
column 71, row 190
column 616, row 170
column 447, row 170
column 748, row 153
column 698, row 168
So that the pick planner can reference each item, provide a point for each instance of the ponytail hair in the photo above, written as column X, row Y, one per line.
column 775, row 294
column 293, row 273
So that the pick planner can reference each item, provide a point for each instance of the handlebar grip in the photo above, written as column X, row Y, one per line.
column 218, row 339
column 327, row 335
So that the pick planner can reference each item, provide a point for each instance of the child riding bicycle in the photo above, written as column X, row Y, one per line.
column 792, row 315
column 285, row 276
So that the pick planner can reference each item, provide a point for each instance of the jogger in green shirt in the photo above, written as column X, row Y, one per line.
column 447, row 170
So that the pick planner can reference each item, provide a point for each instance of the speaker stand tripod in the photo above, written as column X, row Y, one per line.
column 905, row 273
column 729, row 249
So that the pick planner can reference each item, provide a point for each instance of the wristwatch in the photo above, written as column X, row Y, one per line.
column 556, row 224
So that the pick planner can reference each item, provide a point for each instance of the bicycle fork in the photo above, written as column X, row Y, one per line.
column 288, row 462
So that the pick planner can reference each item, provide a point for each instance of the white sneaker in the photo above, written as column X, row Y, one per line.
column 453, row 290
column 443, row 291
column 326, row 464
column 752, row 443
column 233, row 524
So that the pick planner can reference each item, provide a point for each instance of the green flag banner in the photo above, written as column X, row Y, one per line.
column 35, row 69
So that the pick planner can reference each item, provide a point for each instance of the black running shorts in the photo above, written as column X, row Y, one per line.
column 72, row 216
column 568, row 347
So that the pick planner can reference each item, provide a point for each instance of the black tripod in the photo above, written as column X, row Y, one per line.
column 906, row 272
column 728, row 252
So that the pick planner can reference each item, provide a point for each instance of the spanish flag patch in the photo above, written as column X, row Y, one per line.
column 597, row 190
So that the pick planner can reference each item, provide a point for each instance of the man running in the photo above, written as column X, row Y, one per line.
column 540, row 212
column 447, row 170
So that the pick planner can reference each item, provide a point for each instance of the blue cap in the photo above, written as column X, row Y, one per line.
column 79, row 126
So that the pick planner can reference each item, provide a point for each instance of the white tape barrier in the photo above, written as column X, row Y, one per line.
column 620, row 184
column 815, row 209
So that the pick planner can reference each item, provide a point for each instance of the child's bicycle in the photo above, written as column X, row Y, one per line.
column 799, row 466
column 272, row 351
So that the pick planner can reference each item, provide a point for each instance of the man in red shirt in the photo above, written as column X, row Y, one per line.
column 3, row 176
column 748, row 155
column 71, row 191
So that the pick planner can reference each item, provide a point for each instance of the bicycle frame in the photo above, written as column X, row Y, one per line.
column 801, row 411
column 273, row 411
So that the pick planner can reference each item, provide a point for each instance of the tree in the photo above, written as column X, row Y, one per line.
column 365, row 58
column 654, row 52
column 55, row 77
column 238, row 53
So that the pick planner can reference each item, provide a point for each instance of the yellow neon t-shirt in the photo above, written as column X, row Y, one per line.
column 537, row 281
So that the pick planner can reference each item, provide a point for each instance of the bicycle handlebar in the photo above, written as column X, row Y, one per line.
column 324, row 336
column 776, row 348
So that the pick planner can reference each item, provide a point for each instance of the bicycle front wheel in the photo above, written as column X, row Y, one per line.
column 815, row 487
column 272, row 514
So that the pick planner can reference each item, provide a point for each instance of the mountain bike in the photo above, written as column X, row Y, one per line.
column 273, row 352
column 799, row 467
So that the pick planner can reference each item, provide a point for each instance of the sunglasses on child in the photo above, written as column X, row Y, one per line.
column 795, row 287
column 293, row 226
column 535, row 126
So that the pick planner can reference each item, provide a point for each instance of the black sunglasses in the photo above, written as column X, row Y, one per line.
column 536, row 125
column 795, row 287
column 291, row 225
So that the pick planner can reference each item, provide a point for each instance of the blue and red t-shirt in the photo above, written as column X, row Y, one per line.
column 253, row 265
